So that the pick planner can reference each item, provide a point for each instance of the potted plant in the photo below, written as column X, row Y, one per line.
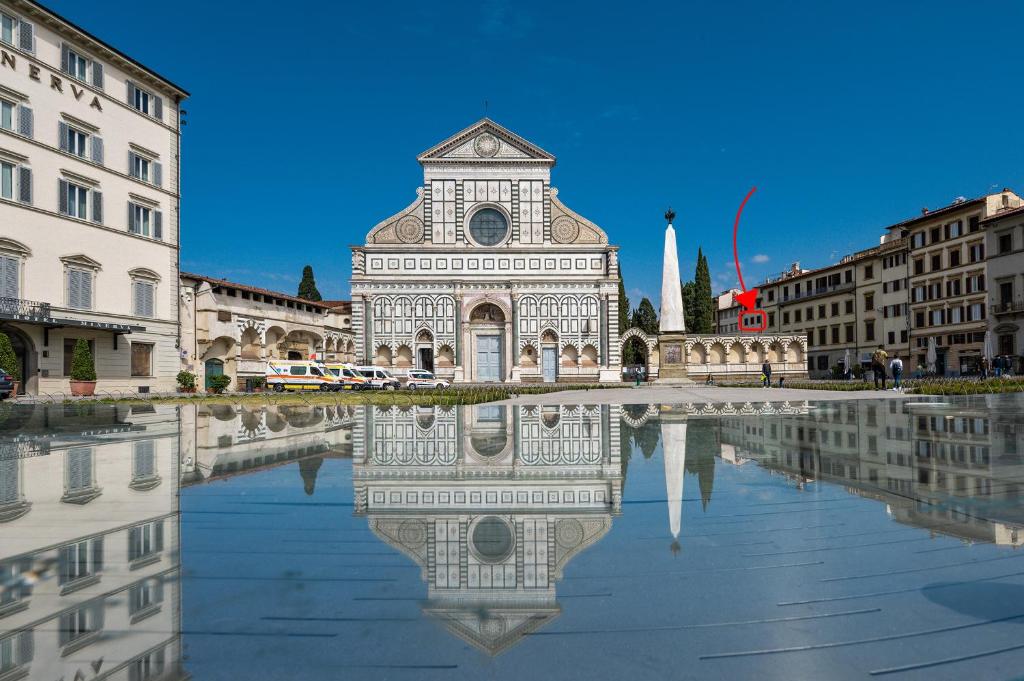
column 218, row 384
column 9, row 362
column 258, row 383
column 83, row 370
column 186, row 382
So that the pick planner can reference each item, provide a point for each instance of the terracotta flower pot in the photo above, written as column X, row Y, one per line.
column 16, row 390
column 83, row 388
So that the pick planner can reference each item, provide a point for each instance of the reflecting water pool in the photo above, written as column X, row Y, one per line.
column 812, row 540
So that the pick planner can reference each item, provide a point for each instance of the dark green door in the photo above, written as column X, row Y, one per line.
column 214, row 367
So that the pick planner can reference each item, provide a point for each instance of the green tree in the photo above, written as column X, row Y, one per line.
column 82, row 366
column 623, row 306
column 307, row 287
column 701, row 446
column 689, row 303
column 645, row 318
column 704, row 305
column 9, row 360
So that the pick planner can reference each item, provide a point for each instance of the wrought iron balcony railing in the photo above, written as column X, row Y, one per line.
column 17, row 308
column 1013, row 307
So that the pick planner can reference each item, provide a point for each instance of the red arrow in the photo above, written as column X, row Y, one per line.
column 747, row 298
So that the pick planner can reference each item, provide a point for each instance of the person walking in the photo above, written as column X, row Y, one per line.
column 896, row 366
column 878, row 365
column 984, row 368
column 766, row 371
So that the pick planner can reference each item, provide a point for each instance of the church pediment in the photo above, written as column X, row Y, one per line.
column 486, row 142
column 405, row 227
column 569, row 227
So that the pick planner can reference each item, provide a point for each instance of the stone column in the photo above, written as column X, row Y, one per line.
column 515, row 376
column 460, row 370
column 603, row 360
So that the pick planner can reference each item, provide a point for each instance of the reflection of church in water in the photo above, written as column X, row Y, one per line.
column 491, row 502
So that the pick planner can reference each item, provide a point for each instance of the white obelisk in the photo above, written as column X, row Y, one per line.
column 671, row 289
column 673, row 450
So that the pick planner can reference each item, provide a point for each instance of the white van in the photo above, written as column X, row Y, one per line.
column 300, row 375
column 379, row 378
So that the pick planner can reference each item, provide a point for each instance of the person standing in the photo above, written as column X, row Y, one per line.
column 766, row 371
column 878, row 365
column 984, row 368
column 896, row 366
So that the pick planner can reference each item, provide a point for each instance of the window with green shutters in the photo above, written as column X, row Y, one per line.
column 145, row 541
column 79, row 284
column 81, row 560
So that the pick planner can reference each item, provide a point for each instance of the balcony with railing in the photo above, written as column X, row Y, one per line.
column 1007, row 308
column 18, row 309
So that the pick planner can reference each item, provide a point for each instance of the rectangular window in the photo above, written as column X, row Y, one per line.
column 771, row 296
column 7, row 29
column 77, row 201
column 145, row 541
column 835, row 335
column 145, row 597
column 142, row 359
column 797, row 316
column 821, row 311
column 81, row 560
column 849, row 333
column 1006, row 242
column 869, row 302
column 785, row 318
column 918, row 319
column 869, row 331
column 955, row 229
column 917, row 240
column 79, row 283
column 835, row 309
column 954, row 257
column 6, row 115
column 80, row 623
column 142, row 219
column 849, row 307
column 935, row 235
column 140, row 168
column 977, row 252
column 821, row 336
column 892, row 337
column 78, row 66
column 936, row 262
column 869, row 271
column 76, row 141
column 6, row 180
column 810, row 313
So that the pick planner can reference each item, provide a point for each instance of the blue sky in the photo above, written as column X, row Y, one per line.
column 303, row 128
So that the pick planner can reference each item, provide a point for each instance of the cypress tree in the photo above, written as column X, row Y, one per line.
column 307, row 287
column 704, row 314
column 689, row 303
column 623, row 306
column 82, row 366
column 645, row 318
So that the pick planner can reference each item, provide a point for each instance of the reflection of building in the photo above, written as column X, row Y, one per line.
column 492, row 502
column 233, row 329
column 955, row 471
column 1004, row 246
column 88, row 497
column 487, row 275
column 223, row 440
column 89, row 191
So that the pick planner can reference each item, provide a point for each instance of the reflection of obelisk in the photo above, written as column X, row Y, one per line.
column 673, row 448
column 672, row 335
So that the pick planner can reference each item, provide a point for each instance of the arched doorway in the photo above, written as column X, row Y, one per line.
column 25, row 351
column 635, row 354
column 487, row 331
column 214, row 367
column 425, row 350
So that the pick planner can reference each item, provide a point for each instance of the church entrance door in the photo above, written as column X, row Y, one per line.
column 488, row 358
column 426, row 359
column 550, row 364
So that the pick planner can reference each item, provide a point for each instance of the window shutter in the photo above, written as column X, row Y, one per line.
column 25, row 185
column 25, row 121
column 158, row 590
column 158, row 108
column 86, row 290
column 137, row 298
column 26, row 41
column 26, row 647
column 64, row 65
column 158, row 227
column 97, row 74
column 131, row 164
column 131, row 93
column 158, row 174
column 97, row 149
column 150, row 300
column 131, row 217
column 158, row 535
column 74, row 289
column 62, row 135
column 97, row 554
column 63, row 196
column 9, row 277
column 97, row 207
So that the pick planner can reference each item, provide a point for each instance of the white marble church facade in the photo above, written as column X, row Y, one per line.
column 487, row 276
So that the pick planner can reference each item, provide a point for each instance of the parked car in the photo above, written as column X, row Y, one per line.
column 300, row 375
column 6, row 385
column 421, row 378
column 379, row 378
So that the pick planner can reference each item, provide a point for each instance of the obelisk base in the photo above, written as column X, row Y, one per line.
column 672, row 359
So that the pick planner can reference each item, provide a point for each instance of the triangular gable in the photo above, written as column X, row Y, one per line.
column 486, row 141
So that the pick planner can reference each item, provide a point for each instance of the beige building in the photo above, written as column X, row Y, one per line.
column 89, row 497
column 727, row 312
column 89, row 193
column 233, row 329
column 949, row 297
column 1004, row 249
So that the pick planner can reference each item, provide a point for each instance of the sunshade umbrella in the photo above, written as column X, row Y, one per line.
column 986, row 350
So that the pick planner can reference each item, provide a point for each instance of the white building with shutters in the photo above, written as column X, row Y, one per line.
column 89, row 194
column 487, row 276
